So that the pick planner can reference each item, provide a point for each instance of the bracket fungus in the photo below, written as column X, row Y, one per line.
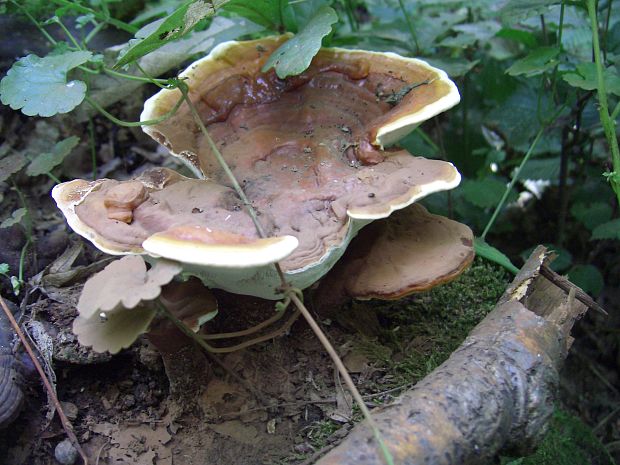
column 307, row 150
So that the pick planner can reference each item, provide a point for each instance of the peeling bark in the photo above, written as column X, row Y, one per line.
column 495, row 392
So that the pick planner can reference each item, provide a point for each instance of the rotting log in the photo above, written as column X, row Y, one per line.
column 495, row 392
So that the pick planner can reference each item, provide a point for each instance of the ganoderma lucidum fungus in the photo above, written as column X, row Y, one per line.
column 307, row 150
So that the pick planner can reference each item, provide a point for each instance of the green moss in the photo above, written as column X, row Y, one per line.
column 420, row 332
column 568, row 442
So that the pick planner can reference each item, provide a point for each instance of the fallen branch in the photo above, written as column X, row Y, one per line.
column 66, row 424
column 495, row 392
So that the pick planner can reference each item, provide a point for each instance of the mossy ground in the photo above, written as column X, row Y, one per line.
column 568, row 442
column 419, row 333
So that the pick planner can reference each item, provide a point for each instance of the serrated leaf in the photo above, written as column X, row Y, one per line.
column 172, row 27
column 585, row 77
column 588, row 278
column 537, row 62
column 609, row 230
column 484, row 250
column 38, row 86
column 267, row 13
column 294, row 56
column 11, row 164
column 485, row 193
column 591, row 215
column 46, row 162
column 16, row 217
column 4, row 268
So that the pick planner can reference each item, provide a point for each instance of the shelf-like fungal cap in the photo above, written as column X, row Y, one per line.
column 307, row 151
column 411, row 251
column 377, row 98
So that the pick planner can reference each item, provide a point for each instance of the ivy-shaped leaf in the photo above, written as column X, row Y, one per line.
column 172, row 27
column 16, row 217
column 585, row 77
column 294, row 56
column 45, row 162
column 537, row 62
column 38, row 86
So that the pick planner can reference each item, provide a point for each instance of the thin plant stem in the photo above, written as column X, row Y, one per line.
column 134, row 124
column 93, row 149
column 426, row 138
column 291, row 294
column 514, row 179
column 68, row 33
column 606, row 121
column 66, row 424
column 414, row 37
column 53, row 178
column 93, row 33
column 100, row 16
column 351, row 15
column 386, row 455
column 222, row 163
column 614, row 114
column 36, row 23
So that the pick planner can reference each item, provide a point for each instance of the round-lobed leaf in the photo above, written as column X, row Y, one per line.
column 38, row 86
column 124, row 283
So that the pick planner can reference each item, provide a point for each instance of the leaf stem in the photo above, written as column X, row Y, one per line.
column 291, row 294
column 35, row 22
column 606, row 121
column 100, row 16
column 133, row 124
column 67, row 33
column 387, row 456
column 93, row 148
column 410, row 26
column 220, row 159
column 514, row 179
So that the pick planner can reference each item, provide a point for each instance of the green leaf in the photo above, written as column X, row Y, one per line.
column 294, row 56
column 267, row 13
column 11, row 164
column 485, row 193
column 4, row 268
column 516, row 10
column 172, row 27
column 591, row 215
column 563, row 259
column 45, row 162
column 588, row 278
column 609, row 230
column 16, row 217
column 541, row 168
column 484, row 250
column 537, row 62
column 38, row 86
column 585, row 77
